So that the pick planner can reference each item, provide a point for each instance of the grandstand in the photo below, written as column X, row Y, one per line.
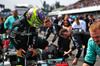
column 82, row 4
column 79, row 8
column 55, row 11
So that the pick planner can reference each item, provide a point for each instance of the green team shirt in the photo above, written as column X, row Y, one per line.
column 9, row 22
column 8, row 25
column 92, row 51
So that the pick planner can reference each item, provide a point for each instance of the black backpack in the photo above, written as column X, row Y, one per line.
column 50, row 52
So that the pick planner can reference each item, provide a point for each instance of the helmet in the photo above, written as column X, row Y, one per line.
column 35, row 17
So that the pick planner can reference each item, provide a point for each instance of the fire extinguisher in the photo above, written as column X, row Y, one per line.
column 5, row 41
column 63, row 62
column 5, row 45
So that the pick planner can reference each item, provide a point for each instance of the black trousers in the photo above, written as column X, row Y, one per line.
column 63, row 45
column 79, row 40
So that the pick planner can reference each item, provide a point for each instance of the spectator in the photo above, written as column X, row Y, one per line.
column 9, row 22
column 56, row 20
column 86, row 19
column 1, row 45
column 51, row 20
column 82, row 23
column 67, row 25
column 93, row 45
column 5, row 18
column 92, row 20
column 2, row 30
column 60, row 22
column 76, row 24
column 67, row 18
column 1, row 26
